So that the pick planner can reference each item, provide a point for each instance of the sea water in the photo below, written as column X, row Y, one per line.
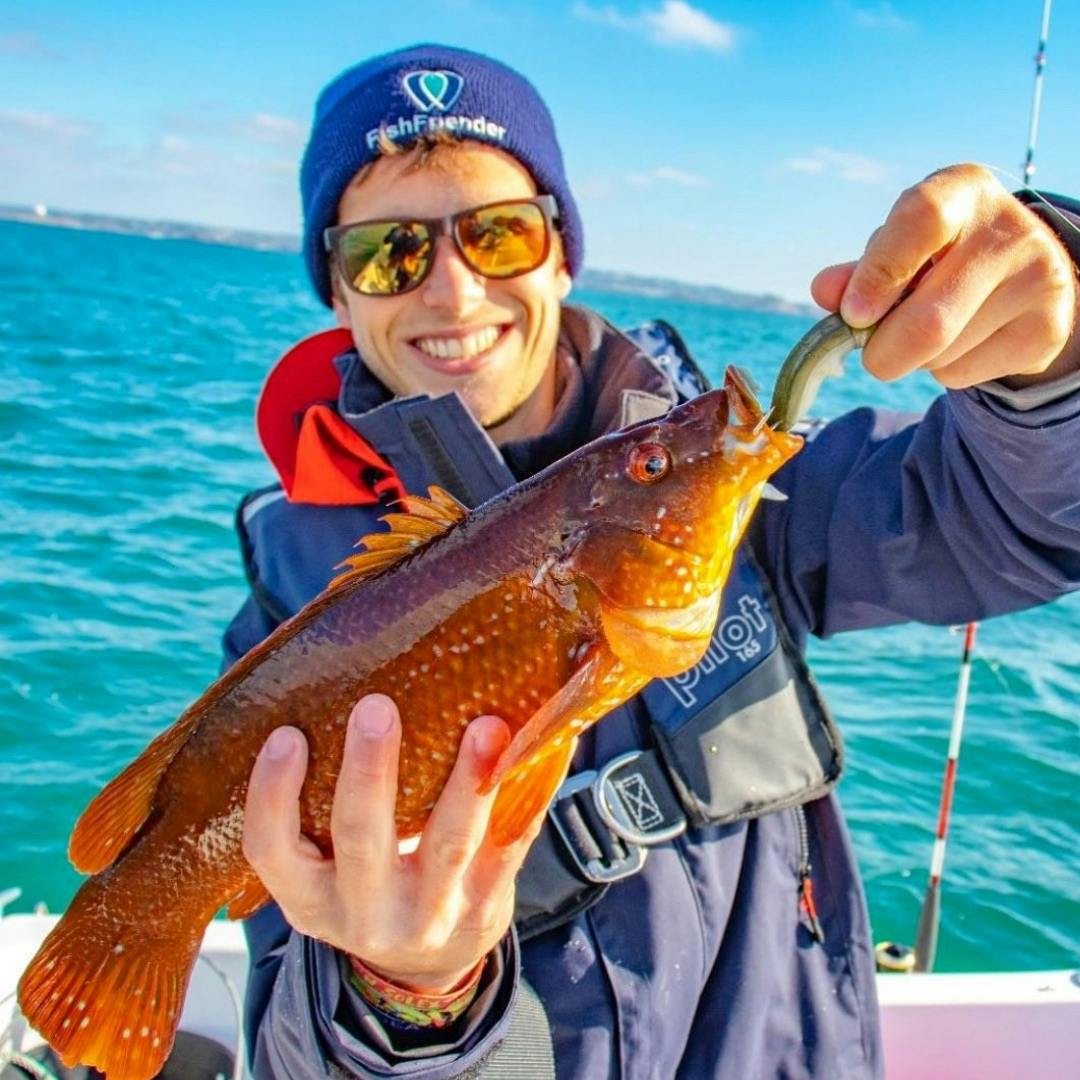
column 129, row 369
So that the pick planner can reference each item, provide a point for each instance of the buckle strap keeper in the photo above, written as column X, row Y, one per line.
column 607, row 818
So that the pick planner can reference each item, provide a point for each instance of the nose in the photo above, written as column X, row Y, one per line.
column 452, row 285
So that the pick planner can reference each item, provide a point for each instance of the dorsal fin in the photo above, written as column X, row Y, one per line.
column 118, row 811
column 425, row 520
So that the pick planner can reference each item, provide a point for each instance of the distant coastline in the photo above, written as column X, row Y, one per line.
column 600, row 280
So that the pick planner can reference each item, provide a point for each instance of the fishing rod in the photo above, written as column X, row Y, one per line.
column 930, row 919
column 893, row 955
column 1036, row 103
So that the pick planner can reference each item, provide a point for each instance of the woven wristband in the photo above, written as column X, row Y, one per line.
column 407, row 1008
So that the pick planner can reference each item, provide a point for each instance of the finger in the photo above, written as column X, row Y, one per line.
column 958, row 303
column 924, row 221
column 1015, row 348
column 828, row 285
column 495, row 866
column 459, row 820
column 272, row 840
column 362, row 818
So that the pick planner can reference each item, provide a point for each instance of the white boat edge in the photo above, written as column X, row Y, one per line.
column 977, row 1026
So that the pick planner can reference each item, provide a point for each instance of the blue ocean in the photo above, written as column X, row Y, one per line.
column 129, row 368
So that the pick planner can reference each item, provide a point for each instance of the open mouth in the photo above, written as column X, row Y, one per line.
column 459, row 352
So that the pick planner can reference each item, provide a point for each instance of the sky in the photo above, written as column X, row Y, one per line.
column 743, row 144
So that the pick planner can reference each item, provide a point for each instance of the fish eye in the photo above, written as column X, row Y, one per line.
column 649, row 462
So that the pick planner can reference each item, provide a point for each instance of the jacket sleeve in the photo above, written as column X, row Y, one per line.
column 303, row 1021
column 971, row 511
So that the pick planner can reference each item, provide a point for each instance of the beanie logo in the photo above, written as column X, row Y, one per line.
column 433, row 90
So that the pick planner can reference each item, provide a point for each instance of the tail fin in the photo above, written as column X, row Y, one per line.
column 106, row 994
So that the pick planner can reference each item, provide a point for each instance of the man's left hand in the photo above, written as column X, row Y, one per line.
column 995, row 292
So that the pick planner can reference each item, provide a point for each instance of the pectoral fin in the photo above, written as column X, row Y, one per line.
column 600, row 684
column 525, row 792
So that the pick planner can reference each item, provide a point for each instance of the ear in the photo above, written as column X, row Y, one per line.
column 341, row 312
column 563, row 282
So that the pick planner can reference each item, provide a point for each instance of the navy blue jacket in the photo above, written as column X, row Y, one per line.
column 701, row 964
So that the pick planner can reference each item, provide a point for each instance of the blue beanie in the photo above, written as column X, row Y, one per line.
column 413, row 92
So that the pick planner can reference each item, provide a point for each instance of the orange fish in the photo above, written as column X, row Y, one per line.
column 548, row 606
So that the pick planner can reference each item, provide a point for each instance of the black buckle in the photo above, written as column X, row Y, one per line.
column 609, row 817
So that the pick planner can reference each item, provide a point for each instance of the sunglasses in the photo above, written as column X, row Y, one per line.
column 388, row 258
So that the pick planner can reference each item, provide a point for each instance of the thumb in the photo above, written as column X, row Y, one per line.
column 829, row 284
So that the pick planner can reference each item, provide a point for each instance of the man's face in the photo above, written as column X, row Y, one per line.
column 492, row 341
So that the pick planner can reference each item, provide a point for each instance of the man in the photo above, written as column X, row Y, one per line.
column 439, row 226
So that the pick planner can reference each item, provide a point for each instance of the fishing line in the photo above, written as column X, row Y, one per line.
column 1038, row 195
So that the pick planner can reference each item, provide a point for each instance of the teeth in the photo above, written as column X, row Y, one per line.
column 451, row 348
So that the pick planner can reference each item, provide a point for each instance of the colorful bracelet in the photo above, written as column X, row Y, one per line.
column 408, row 1008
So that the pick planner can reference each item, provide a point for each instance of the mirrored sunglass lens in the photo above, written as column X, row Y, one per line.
column 504, row 240
column 385, row 257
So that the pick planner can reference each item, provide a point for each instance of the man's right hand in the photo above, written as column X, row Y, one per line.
column 422, row 920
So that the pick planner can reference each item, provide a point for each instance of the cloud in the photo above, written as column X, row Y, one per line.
column 42, row 125
column 215, row 125
column 27, row 44
column 268, row 128
column 666, row 175
column 882, row 17
column 673, row 24
column 853, row 168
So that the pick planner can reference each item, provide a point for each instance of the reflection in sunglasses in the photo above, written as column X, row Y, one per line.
column 389, row 257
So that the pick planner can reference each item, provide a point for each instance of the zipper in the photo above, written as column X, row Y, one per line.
column 806, row 882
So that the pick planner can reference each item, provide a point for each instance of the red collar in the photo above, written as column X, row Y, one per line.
column 319, row 458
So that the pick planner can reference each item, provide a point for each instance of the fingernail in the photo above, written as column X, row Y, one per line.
column 487, row 737
column 856, row 310
column 373, row 718
column 280, row 745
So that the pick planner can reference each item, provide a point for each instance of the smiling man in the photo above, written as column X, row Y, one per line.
column 486, row 322
column 440, row 228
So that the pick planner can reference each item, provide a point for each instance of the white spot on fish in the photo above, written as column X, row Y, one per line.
column 144, row 1031
column 661, row 511
column 687, row 589
column 84, row 1022
column 126, row 1033
column 118, row 949
column 66, row 1023
column 479, row 639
